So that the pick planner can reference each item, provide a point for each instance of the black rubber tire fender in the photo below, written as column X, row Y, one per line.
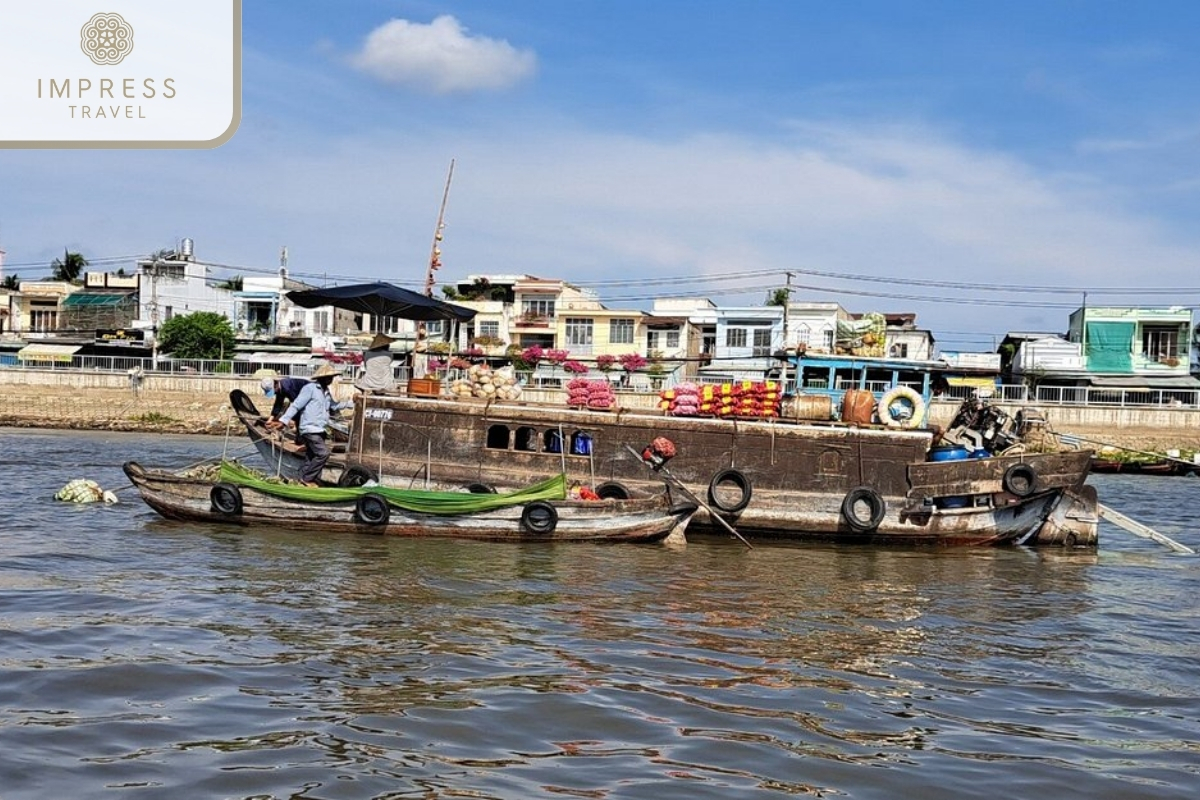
column 480, row 488
column 356, row 475
column 723, row 479
column 1020, row 480
column 612, row 490
column 226, row 499
column 539, row 517
column 372, row 509
column 854, row 502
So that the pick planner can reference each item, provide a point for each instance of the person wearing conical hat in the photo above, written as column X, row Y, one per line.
column 378, row 375
column 312, row 407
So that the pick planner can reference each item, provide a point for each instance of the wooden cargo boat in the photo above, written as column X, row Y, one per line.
column 538, row 513
column 769, row 478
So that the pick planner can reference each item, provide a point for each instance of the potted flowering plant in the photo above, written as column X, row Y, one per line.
column 555, row 358
column 532, row 355
column 575, row 367
column 631, row 363
column 605, row 363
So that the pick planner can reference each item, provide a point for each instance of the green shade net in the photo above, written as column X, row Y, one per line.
column 81, row 299
column 445, row 504
column 1110, row 346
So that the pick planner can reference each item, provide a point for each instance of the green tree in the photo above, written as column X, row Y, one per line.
column 203, row 334
column 11, row 282
column 777, row 297
column 234, row 284
column 68, row 267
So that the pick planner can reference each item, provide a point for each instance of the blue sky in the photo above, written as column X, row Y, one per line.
column 980, row 164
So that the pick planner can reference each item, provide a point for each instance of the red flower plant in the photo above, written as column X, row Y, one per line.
column 578, row 367
column 532, row 355
column 631, row 362
column 556, row 357
column 605, row 362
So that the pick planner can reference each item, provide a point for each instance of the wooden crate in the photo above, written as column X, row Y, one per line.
column 424, row 387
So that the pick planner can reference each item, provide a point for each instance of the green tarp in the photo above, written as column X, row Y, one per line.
column 418, row 500
column 1109, row 346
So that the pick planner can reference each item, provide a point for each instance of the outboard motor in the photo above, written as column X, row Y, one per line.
column 979, row 425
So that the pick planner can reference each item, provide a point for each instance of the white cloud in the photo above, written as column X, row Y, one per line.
column 441, row 57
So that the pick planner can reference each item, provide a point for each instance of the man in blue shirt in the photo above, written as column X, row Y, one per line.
column 313, row 406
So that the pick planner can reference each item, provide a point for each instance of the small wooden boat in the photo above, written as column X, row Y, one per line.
column 538, row 513
column 1107, row 465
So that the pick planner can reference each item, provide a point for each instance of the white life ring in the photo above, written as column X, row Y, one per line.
column 901, row 397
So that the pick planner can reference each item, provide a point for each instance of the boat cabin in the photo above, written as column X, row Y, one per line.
column 833, row 375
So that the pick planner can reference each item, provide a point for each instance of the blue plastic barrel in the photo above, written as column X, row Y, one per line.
column 950, row 452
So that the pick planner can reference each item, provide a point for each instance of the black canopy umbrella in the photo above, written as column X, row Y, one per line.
column 382, row 299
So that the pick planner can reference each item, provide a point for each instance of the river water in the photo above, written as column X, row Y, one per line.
column 148, row 659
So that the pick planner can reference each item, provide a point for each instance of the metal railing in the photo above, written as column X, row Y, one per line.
column 189, row 366
column 1006, row 393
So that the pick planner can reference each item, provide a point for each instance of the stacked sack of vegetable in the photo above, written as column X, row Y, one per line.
column 682, row 401
column 751, row 399
column 598, row 394
column 482, row 381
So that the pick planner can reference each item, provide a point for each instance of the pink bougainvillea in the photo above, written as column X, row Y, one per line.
column 578, row 367
column 605, row 362
column 631, row 362
column 532, row 355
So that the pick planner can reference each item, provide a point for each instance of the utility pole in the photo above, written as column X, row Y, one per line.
column 154, row 311
column 1083, row 331
column 787, row 301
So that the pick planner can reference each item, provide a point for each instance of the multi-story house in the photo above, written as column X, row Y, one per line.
column 527, row 311
column 171, row 284
column 1135, row 347
column 747, row 339
column 681, row 335
column 905, row 340
column 34, row 308
column 812, row 327
column 1110, row 347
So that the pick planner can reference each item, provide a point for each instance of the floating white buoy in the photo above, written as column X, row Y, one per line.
column 82, row 490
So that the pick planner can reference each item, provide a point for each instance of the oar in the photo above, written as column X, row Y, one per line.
column 1129, row 449
column 1138, row 529
column 679, row 485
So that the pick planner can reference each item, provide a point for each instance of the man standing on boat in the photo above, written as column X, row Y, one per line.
column 314, row 404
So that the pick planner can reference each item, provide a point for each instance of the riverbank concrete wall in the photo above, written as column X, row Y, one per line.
column 200, row 404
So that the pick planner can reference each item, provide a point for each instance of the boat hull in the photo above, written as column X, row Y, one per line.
column 788, row 479
column 192, row 499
